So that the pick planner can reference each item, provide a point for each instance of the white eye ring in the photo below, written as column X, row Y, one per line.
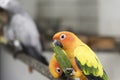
column 58, row 70
column 62, row 36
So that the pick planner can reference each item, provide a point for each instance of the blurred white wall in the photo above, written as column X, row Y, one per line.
column 81, row 15
column 109, row 17
column 30, row 6
column 103, row 16
column 110, row 61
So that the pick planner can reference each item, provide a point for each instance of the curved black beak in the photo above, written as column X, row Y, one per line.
column 63, row 77
column 57, row 43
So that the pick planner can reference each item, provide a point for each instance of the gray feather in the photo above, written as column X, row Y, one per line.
column 21, row 26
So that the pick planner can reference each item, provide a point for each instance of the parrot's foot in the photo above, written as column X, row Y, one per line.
column 30, row 69
column 70, row 70
column 15, row 46
column 76, row 74
column 16, row 53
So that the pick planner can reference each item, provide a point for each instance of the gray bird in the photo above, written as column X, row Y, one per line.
column 21, row 27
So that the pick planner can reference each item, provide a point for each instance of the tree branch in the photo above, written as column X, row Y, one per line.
column 31, row 62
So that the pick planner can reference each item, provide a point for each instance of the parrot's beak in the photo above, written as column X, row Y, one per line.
column 63, row 76
column 57, row 43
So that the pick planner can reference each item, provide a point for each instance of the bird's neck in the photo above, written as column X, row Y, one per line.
column 17, row 10
column 70, row 52
column 71, row 48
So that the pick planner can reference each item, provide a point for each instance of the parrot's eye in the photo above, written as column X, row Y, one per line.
column 62, row 36
column 58, row 70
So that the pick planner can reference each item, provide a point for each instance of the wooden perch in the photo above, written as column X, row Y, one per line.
column 33, row 63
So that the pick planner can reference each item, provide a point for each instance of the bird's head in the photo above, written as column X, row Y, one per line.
column 55, row 68
column 11, row 6
column 65, row 39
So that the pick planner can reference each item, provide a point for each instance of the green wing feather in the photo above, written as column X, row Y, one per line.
column 89, row 63
column 62, row 60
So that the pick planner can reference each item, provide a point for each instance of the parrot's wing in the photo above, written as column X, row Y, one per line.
column 25, row 30
column 89, row 63
column 24, row 25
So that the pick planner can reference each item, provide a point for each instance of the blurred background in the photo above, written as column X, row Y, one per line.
column 96, row 22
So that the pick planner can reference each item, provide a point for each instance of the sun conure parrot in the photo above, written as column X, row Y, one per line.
column 55, row 69
column 84, row 61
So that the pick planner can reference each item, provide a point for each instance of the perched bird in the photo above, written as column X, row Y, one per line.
column 54, row 68
column 84, row 61
column 21, row 27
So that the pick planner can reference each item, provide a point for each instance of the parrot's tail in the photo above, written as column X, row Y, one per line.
column 32, row 51
column 105, row 76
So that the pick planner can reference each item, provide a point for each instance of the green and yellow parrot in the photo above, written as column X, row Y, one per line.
column 84, row 61
column 59, row 63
